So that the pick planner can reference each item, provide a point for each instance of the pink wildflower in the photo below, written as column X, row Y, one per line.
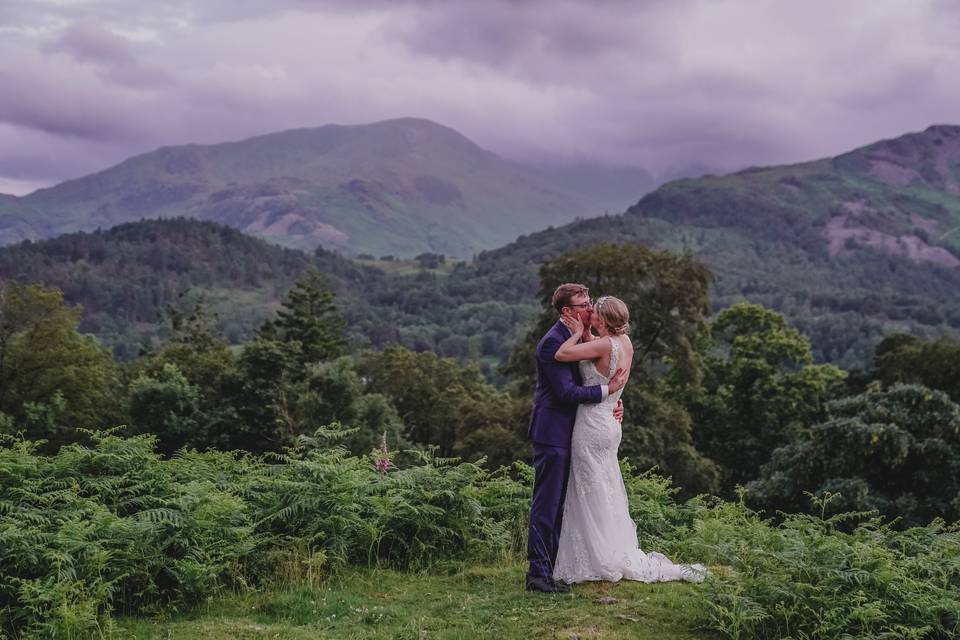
column 382, row 462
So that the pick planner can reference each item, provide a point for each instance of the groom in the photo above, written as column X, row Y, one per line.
column 559, row 390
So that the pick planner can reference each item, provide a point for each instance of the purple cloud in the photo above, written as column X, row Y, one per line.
column 111, row 54
column 660, row 85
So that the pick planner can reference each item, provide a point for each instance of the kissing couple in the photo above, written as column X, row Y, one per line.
column 580, row 526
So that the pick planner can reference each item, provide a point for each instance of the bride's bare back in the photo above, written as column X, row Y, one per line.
column 626, row 354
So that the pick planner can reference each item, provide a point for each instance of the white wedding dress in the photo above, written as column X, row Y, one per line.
column 598, row 540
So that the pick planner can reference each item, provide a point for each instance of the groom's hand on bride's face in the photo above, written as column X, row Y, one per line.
column 618, row 411
column 617, row 381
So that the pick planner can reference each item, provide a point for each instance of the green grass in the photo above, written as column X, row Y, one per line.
column 472, row 602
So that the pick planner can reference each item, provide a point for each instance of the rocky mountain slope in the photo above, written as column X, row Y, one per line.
column 395, row 187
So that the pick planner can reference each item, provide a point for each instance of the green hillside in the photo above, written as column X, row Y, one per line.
column 126, row 277
column 849, row 249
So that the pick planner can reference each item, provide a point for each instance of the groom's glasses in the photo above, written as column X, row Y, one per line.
column 583, row 305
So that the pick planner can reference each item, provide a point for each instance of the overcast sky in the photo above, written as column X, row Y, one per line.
column 660, row 84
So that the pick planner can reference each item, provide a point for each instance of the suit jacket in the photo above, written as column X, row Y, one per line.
column 559, row 390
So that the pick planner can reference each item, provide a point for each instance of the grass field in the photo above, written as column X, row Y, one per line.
column 469, row 602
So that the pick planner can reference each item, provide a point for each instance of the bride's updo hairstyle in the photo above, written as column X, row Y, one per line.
column 614, row 314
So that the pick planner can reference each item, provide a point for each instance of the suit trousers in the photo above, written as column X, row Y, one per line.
column 552, row 467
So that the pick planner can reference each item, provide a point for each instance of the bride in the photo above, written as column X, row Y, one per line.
column 598, row 540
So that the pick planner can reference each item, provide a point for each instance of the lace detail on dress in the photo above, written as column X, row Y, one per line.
column 598, row 540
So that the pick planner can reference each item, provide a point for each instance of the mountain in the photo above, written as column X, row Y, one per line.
column 400, row 187
column 848, row 248
column 17, row 221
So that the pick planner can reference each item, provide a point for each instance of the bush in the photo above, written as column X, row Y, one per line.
column 114, row 526
column 109, row 527
column 807, row 578
column 895, row 450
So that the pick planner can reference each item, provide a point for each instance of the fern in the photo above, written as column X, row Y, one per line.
column 112, row 526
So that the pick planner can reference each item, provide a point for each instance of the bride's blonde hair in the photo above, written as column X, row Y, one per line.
column 614, row 314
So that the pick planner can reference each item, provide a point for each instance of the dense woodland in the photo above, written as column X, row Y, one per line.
column 717, row 400
column 128, row 276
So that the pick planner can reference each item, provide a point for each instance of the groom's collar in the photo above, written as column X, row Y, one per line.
column 563, row 329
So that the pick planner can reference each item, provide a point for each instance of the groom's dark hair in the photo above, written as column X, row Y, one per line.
column 565, row 292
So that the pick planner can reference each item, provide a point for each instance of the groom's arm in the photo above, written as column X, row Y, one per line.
column 560, row 377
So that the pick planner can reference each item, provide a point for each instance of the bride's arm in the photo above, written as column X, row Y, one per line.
column 570, row 351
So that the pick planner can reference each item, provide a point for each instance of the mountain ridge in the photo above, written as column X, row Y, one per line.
column 398, row 186
column 847, row 254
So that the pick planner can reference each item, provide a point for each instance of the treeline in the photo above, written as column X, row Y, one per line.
column 125, row 278
column 196, row 391
column 715, row 402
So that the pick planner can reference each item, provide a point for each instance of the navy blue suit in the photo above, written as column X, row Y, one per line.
column 559, row 390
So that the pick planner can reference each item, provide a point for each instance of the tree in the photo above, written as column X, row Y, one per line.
column 197, row 367
column 759, row 390
column 657, row 432
column 334, row 392
column 895, row 450
column 667, row 294
column 192, row 324
column 493, row 425
column 373, row 417
column 904, row 358
column 261, row 391
column 444, row 403
column 167, row 406
column 42, row 356
column 426, row 390
column 310, row 320
column 273, row 370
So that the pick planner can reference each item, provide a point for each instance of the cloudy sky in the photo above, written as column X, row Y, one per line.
column 661, row 84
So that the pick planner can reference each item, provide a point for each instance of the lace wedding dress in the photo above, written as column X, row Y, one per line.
column 598, row 540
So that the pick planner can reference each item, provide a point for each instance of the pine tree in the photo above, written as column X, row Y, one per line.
column 311, row 319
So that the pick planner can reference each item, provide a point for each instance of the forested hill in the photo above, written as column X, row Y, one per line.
column 128, row 277
column 847, row 248
column 397, row 187
column 125, row 277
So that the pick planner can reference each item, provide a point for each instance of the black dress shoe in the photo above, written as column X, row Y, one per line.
column 545, row 585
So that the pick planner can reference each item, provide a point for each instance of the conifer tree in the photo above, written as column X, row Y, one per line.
column 309, row 318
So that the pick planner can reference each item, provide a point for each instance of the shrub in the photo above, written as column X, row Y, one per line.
column 807, row 578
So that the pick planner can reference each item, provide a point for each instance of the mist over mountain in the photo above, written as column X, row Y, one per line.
column 400, row 186
column 609, row 189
